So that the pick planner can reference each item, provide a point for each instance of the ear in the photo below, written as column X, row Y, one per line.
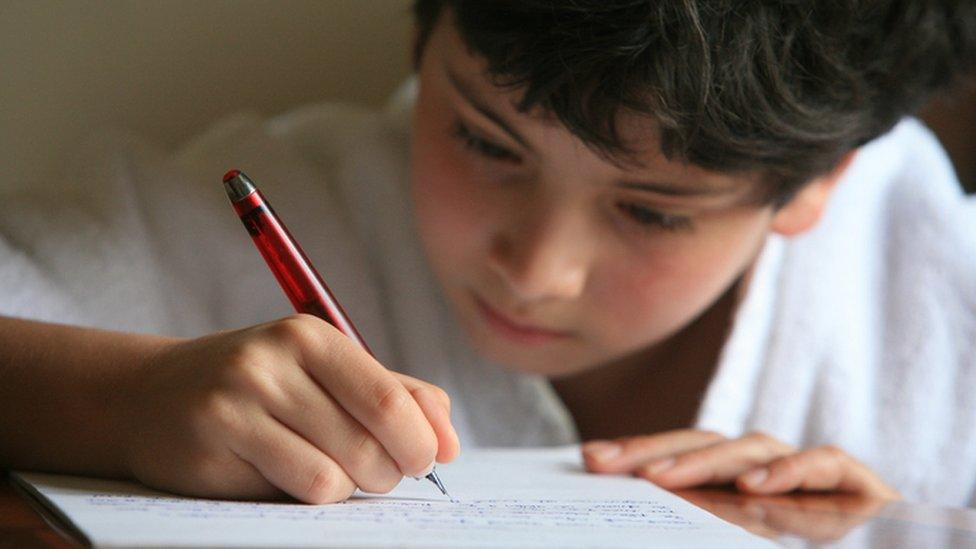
column 804, row 210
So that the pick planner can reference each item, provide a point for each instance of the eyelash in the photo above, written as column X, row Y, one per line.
column 651, row 219
column 482, row 146
column 647, row 218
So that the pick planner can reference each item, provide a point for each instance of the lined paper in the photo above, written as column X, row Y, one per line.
column 502, row 498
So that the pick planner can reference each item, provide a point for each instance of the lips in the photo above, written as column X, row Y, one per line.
column 516, row 331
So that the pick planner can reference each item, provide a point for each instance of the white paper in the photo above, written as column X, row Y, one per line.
column 502, row 498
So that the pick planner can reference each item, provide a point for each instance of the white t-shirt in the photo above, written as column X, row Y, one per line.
column 861, row 334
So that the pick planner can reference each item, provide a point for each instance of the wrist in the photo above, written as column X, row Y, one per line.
column 62, row 396
column 121, row 400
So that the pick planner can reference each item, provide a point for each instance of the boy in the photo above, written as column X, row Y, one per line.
column 589, row 248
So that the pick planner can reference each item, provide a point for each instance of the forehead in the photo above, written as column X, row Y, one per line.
column 459, row 67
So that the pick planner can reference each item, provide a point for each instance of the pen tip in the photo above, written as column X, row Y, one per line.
column 231, row 175
column 437, row 482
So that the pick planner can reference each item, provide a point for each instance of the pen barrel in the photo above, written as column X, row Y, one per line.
column 302, row 284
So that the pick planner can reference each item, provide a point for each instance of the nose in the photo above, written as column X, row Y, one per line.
column 543, row 255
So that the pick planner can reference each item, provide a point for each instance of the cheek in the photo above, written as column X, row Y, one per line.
column 451, row 220
column 646, row 299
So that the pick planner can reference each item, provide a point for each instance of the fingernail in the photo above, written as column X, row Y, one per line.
column 602, row 450
column 756, row 477
column 659, row 466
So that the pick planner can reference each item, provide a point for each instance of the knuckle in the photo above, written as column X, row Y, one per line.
column 326, row 486
column 254, row 374
column 389, row 402
column 685, row 460
column 693, row 459
column 833, row 453
column 364, row 445
column 790, row 466
column 376, row 472
column 320, row 486
column 442, row 397
column 644, row 445
column 770, row 445
column 294, row 329
column 217, row 410
column 715, row 435
column 432, row 393
column 244, row 352
column 639, row 442
column 760, row 436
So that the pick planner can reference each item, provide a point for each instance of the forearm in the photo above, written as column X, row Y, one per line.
column 59, row 392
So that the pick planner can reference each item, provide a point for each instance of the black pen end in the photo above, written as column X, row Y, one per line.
column 231, row 175
column 238, row 185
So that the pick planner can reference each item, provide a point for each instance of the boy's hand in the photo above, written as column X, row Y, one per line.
column 291, row 406
column 755, row 463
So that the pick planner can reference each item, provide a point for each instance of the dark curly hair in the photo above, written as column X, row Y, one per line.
column 782, row 89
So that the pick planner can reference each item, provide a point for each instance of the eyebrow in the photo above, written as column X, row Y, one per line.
column 672, row 190
column 475, row 101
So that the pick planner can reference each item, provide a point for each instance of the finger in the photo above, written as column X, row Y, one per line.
column 291, row 463
column 365, row 389
column 300, row 404
column 719, row 463
column 224, row 475
column 436, row 405
column 625, row 455
column 825, row 468
column 242, row 480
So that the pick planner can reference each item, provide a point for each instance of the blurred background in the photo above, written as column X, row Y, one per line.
column 168, row 69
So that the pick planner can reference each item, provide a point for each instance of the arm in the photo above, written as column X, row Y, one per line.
column 291, row 406
column 60, row 384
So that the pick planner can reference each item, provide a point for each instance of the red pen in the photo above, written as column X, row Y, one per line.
column 302, row 284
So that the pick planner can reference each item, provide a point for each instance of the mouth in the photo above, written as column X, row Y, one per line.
column 517, row 331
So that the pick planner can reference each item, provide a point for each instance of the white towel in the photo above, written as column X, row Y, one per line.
column 862, row 333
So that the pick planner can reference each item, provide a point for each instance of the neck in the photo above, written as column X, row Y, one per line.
column 658, row 388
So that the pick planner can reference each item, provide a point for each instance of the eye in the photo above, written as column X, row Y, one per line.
column 650, row 219
column 483, row 146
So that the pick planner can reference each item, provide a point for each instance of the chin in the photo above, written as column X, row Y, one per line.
column 543, row 368
column 538, row 361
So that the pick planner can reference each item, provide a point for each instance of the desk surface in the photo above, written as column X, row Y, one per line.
column 833, row 519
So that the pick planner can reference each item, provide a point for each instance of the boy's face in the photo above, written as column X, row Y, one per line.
column 554, row 258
